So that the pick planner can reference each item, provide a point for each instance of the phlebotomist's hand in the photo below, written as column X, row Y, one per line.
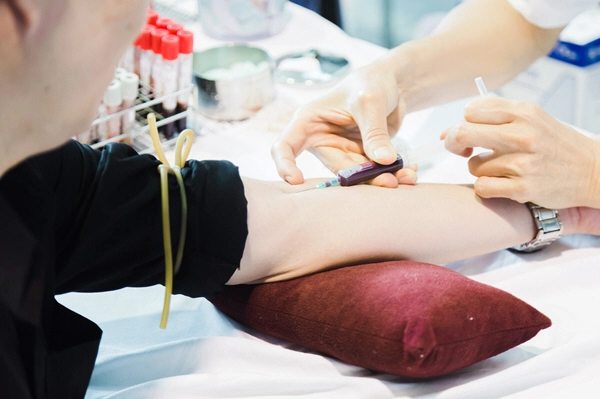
column 348, row 126
column 533, row 156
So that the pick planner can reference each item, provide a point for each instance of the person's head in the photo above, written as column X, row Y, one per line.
column 56, row 59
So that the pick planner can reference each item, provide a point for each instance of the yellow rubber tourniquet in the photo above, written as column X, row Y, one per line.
column 182, row 150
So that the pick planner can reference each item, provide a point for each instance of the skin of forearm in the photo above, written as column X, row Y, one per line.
column 487, row 38
column 294, row 234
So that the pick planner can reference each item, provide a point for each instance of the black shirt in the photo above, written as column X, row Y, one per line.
column 76, row 219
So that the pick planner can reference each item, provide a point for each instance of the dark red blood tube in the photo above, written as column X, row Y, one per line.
column 367, row 171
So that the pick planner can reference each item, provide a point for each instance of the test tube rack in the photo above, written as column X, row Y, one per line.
column 138, row 135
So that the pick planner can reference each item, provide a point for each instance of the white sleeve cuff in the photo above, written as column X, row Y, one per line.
column 551, row 13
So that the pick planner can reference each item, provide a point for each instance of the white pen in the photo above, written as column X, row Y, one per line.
column 481, row 87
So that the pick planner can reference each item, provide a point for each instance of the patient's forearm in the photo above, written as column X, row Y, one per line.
column 296, row 234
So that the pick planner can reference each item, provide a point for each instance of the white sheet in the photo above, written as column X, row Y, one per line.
column 203, row 354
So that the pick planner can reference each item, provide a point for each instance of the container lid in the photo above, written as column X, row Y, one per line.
column 311, row 67
column 152, row 17
column 112, row 95
column 145, row 39
column 120, row 71
column 157, row 35
column 129, row 86
column 186, row 41
column 174, row 28
column 162, row 23
column 170, row 47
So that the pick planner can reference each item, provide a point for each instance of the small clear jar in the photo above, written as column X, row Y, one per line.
column 242, row 20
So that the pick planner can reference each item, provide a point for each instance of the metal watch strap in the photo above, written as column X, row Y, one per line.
column 549, row 228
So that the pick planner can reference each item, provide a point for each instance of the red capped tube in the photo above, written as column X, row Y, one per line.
column 163, row 23
column 174, row 28
column 157, row 35
column 170, row 52
column 186, row 50
column 151, row 17
column 186, row 41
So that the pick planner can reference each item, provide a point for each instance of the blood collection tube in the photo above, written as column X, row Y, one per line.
column 112, row 101
column 170, row 52
column 186, row 50
column 128, row 58
column 156, row 78
column 146, row 58
column 129, row 91
column 367, row 171
column 136, row 55
column 99, row 131
column 163, row 23
column 120, row 72
column 174, row 28
column 151, row 17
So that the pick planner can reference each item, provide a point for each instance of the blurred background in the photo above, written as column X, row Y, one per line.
column 387, row 23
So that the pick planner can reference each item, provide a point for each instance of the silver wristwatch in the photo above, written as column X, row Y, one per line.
column 549, row 229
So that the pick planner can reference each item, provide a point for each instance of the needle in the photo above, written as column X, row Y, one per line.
column 334, row 181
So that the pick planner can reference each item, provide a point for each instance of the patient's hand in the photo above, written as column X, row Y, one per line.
column 580, row 220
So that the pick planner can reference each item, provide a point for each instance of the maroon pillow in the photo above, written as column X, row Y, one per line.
column 404, row 318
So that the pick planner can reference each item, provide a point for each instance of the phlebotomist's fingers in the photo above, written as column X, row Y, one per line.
column 285, row 150
column 316, row 129
column 496, row 164
column 348, row 159
column 464, row 136
column 491, row 111
column 500, row 187
column 371, row 118
column 487, row 125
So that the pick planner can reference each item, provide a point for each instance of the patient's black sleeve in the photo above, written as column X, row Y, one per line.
column 109, row 226
column 77, row 219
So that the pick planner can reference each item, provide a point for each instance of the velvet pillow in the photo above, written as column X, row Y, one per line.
column 404, row 318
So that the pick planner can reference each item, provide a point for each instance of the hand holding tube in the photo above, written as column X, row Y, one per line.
column 351, row 125
column 533, row 156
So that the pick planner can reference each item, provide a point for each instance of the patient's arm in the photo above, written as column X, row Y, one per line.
column 293, row 234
